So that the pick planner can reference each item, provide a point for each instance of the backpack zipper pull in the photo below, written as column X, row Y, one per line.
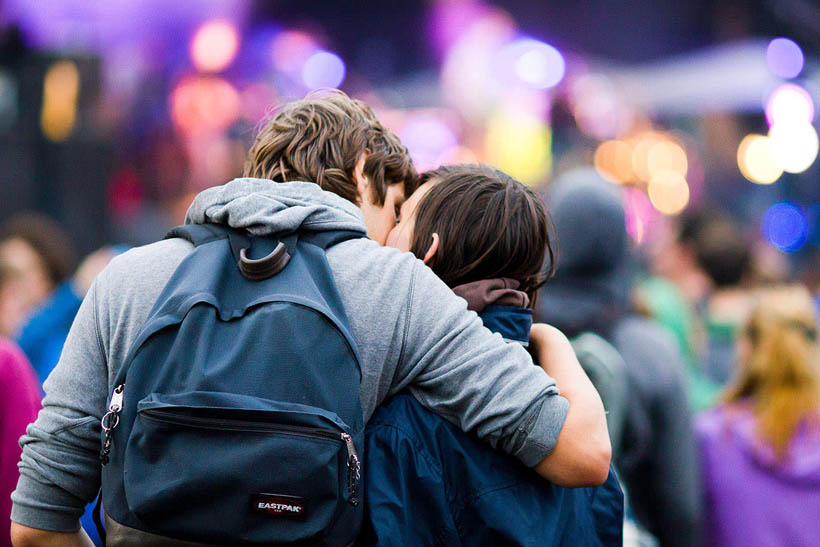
column 111, row 420
column 353, row 469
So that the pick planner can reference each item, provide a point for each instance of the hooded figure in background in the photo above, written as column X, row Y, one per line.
column 592, row 293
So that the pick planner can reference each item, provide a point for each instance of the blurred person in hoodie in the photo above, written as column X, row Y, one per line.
column 760, row 449
column 592, row 292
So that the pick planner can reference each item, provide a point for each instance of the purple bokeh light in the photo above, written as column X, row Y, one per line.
column 323, row 69
column 785, row 226
column 534, row 63
column 784, row 57
column 427, row 137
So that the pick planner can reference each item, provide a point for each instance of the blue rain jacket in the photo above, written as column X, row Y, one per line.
column 429, row 483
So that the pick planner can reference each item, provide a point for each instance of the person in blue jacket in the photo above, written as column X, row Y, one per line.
column 427, row 482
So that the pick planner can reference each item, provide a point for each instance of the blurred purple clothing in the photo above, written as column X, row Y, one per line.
column 19, row 404
column 751, row 497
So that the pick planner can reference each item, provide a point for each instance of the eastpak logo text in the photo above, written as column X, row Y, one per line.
column 278, row 505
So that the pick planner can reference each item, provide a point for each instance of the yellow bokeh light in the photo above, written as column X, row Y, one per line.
column 61, row 89
column 794, row 146
column 642, row 144
column 755, row 158
column 666, row 156
column 519, row 144
column 669, row 192
column 613, row 161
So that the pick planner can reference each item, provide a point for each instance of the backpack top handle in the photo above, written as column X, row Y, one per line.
column 266, row 267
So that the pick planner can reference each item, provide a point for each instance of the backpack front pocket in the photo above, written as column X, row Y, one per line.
column 200, row 463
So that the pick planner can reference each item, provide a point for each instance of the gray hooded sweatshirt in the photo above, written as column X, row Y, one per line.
column 411, row 330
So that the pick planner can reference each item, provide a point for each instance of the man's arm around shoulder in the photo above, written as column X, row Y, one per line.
column 582, row 454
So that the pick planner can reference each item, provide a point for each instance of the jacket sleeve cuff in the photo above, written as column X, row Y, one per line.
column 541, row 432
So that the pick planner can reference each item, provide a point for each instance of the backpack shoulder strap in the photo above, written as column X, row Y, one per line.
column 326, row 240
column 200, row 234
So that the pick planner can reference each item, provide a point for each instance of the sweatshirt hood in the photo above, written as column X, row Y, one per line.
column 802, row 466
column 489, row 292
column 593, row 279
column 263, row 207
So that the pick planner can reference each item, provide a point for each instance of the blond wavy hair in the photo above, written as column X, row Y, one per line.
column 321, row 138
column 780, row 376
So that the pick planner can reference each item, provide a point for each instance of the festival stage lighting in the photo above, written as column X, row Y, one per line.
column 784, row 225
column 755, row 158
column 535, row 63
column 784, row 57
column 457, row 155
column 323, row 69
column 61, row 89
column 427, row 137
column 794, row 146
column 669, row 192
column 204, row 104
column 214, row 46
column 291, row 50
column 789, row 104
column 666, row 155
column 519, row 143
column 641, row 145
column 613, row 161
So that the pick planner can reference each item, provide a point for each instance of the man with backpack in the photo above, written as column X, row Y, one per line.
column 172, row 454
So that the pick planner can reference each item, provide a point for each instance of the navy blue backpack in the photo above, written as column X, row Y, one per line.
column 236, row 419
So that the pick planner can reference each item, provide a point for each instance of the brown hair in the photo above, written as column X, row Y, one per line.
column 489, row 225
column 48, row 239
column 321, row 137
column 781, row 377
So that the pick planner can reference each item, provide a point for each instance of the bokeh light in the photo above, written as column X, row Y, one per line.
column 789, row 104
column 470, row 80
column 214, row 46
column 457, row 155
column 256, row 100
column 666, row 156
column 784, row 57
column 519, row 144
column 61, row 89
column 535, row 63
column 291, row 49
column 794, row 146
column 204, row 104
column 813, row 224
column 598, row 110
column 784, row 225
column 669, row 192
column 640, row 215
column 755, row 158
column 323, row 69
column 641, row 145
column 613, row 161
column 427, row 137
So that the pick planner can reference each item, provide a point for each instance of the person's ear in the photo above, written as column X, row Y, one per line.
column 362, row 182
column 431, row 252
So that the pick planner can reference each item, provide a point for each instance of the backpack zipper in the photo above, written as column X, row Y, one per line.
column 110, row 421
